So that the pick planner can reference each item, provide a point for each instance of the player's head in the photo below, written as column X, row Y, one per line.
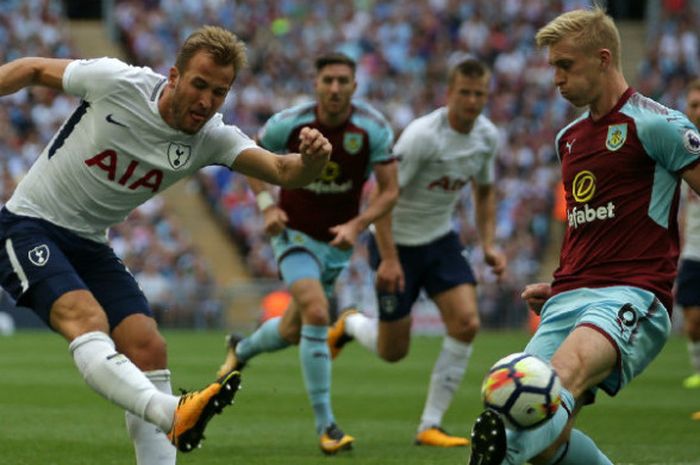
column 692, row 102
column 584, row 49
column 206, row 66
column 335, row 84
column 467, row 92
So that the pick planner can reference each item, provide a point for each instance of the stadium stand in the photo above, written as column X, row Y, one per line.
column 403, row 49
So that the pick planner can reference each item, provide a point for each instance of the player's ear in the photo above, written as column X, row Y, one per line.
column 605, row 58
column 173, row 76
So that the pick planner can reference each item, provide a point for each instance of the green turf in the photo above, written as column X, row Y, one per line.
column 48, row 416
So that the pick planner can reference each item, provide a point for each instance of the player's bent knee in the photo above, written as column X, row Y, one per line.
column 392, row 354
column 464, row 328
column 290, row 332
column 147, row 354
column 315, row 314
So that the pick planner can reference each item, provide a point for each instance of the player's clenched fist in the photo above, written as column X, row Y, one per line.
column 314, row 147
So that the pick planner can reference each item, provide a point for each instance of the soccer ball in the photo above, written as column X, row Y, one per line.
column 522, row 389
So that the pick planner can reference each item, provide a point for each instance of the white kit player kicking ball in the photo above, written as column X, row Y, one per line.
column 134, row 134
column 415, row 248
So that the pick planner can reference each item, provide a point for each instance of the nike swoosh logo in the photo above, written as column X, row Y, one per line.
column 113, row 121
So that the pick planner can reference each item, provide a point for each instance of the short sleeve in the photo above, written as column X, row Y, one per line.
column 226, row 142
column 274, row 134
column 671, row 140
column 381, row 140
column 487, row 173
column 91, row 79
column 409, row 150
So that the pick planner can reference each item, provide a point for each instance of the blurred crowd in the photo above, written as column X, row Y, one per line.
column 156, row 249
column 403, row 49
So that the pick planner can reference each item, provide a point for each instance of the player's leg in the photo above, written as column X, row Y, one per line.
column 585, row 359
column 311, row 295
column 138, row 338
column 36, row 271
column 296, row 260
column 389, row 339
column 271, row 336
column 617, row 332
column 450, row 282
column 458, row 309
column 389, row 336
column 688, row 296
column 593, row 355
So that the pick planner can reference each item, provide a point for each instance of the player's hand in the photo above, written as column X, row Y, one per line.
column 390, row 277
column 345, row 234
column 275, row 220
column 496, row 260
column 314, row 147
column 535, row 295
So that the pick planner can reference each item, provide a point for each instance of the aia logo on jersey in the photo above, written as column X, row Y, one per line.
column 691, row 141
column 109, row 162
column 178, row 155
column 447, row 184
column 39, row 255
column 617, row 135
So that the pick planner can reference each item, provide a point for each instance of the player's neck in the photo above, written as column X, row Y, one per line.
column 609, row 97
column 461, row 125
column 164, row 107
column 332, row 120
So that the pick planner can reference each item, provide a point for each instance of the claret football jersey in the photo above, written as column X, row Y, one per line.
column 334, row 197
column 621, row 177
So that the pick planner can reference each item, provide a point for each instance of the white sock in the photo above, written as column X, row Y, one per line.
column 363, row 329
column 151, row 445
column 694, row 353
column 447, row 374
column 117, row 379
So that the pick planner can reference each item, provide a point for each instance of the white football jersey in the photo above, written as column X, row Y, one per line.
column 435, row 163
column 691, row 233
column 116, row 151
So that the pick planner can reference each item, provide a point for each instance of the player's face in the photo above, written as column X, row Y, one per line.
column 693, row 107
column 577, row 74
column 198, row 92
column 466, row 98
column 335, row 85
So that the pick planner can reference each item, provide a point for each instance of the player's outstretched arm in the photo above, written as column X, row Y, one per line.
column 386, row 195
column 31, row 71
column 292, row 170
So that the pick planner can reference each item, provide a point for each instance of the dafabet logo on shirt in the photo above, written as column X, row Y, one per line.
column 583, row 190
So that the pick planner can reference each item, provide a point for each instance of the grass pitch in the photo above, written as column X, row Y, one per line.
column 49, row 416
